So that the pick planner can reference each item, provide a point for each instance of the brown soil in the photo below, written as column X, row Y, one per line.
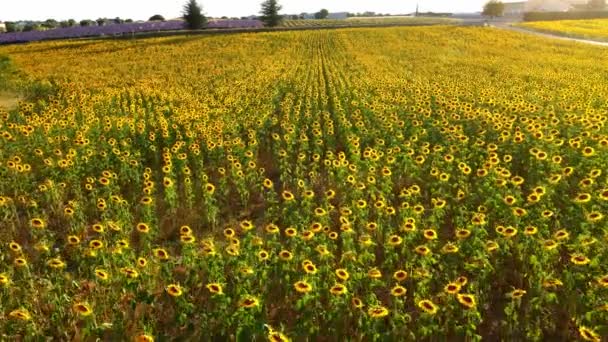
column 8, row 100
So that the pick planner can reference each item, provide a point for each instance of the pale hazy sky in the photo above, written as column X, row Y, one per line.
column 143, row 9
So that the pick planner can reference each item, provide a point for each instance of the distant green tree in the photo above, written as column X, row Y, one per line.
column 71, row 22
column 157, row 17
column 128, row 20
column 493, row 8
column 322, row 14
column 101, row 21
column 193, row 14
column 596, row 4
column 270, row 13
column 87, row 22
column 11, row 27
column 50, row 24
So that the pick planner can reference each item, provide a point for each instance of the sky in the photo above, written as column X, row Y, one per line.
column 12, row 10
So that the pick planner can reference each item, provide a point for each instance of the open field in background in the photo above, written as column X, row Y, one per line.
column 595, row 29
column 434, row 183
column 362, row 21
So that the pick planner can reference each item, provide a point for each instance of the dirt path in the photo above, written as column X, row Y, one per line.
column 8, row 100
column 508, row 26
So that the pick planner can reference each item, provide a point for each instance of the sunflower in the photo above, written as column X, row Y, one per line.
column 263, row 255
column 377, row 311
column 143, row 338
column 15, row 247
column 174, row 290
column 530, row 230
column 398, row 291
column 603, row 281
column 338, row 289
column 249, row 302
column 594, row 216
column 357, row 303
column 129, row 272
column 561, row 234
column 161, row 253
column 20, row 314
column 517, row 293
column 588, row 334
column 552, row 283
column 449, row 248
column 55, row 263
column 395, row 240
column 209, row 188
column 285, row 255
column 302, row 286
column 342, row 274
column 215, row 288
column 452, row 288
column 579, row 259
column 462, row 234
column 142, row 227
column 82, row 309
column 37, row 223
column 275, row 336
column 287, row 196
column 374, row 273
column 468, row 300
column 187, row 239
column 246, row 225
column 20, row 262
column 422, row 250
column 267, row 183
column 430, row 234
column 400, row 275
column 427, row 306
column 101, row 274
column 549, row 244
column 4, row 279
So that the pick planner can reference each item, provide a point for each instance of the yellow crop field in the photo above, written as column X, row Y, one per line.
column 589, row 29
column 379, row 184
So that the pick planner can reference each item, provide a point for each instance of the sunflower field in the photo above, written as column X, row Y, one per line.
column 394, row 184
column 595, row 29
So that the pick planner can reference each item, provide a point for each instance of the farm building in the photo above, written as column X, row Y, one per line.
column 337, row 15
column 514, row 8
column 552, row 5
column 2, row 27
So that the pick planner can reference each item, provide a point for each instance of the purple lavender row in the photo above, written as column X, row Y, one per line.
column 114, row 29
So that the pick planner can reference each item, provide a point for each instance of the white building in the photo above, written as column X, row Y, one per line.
column 2, row 27
column 552, row 5
column 513, row 9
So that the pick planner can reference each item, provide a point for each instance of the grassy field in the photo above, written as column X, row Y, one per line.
column 363, row 21
column 438, row 183
column 596, row 29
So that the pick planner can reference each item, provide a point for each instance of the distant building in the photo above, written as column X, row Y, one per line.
column 514, row 9
column 2, row 27
column 337, row 15
column 552, row 5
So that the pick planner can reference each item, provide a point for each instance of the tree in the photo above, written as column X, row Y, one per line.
column 11, row 27
column 193, row 14
column 100, row 21
column 50, row 24
column 322, row 14
column 71, row 22
column 493, row 8
column 596, row 4
column 157, row 17
column 270, row 13
column 87, row 22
